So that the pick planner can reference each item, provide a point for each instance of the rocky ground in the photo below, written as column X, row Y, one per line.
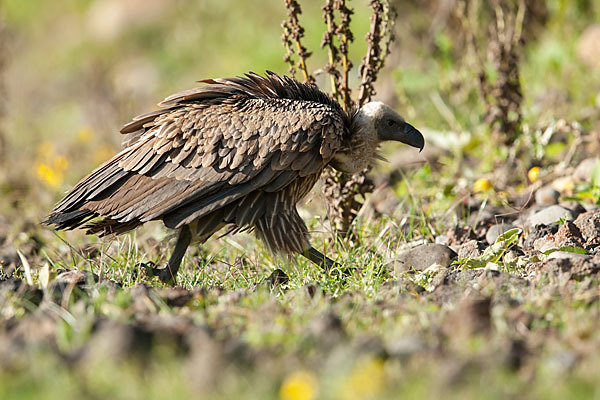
column 506, row 295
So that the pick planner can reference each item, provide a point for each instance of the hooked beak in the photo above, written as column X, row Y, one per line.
column 412, row 137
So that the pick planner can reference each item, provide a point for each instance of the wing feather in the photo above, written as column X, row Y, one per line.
column 210, row 146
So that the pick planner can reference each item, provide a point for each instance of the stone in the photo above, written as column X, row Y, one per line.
column 543, row 244
column 564, row 185
column 567, row 255
column 539, row 232
column 441, row 239
column 76, row 283
column 576, row 265
column 471, row 249
column 178, row 296
column 496, row 230
column 550, row 215
column 423, row 256
column 568, row 235
column 589, row 225
column 546, row 195
column 574, row 206
column 327, row 329
column 590, row 207
column 583, row 171
column 404, row 347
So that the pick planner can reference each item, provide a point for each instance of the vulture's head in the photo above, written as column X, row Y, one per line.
column 372, row 124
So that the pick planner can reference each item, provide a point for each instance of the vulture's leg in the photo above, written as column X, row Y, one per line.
column 169, row 272
column 320, row 259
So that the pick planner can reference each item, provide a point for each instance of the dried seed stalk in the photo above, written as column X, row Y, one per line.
column 503, row 43
column 504, row 108
column 345, row 37
column 332, row 51
column 292, row 36
column 341, row 190
column 379, row 38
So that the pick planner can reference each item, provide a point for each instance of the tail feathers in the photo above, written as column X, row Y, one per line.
column 68, row 220
column 95, row 184
column 81, row 219
column 107, row 226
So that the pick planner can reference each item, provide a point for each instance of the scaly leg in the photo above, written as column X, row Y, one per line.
column 168, row 274
column 323, row 261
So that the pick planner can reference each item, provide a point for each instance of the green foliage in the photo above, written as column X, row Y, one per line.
column 568, row 249
column 589, row 191
column 493, row 254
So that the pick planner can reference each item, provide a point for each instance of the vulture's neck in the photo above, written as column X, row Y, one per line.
column 361, row 151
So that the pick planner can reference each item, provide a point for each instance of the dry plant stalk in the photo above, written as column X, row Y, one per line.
column 341, row 190
column 504, row 42
column 332, row 50
column 292, row 36
column 379, row 38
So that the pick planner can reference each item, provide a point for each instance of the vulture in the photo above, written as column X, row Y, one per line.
column 238, row 152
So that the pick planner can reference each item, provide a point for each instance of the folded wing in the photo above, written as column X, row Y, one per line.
column 204, row 149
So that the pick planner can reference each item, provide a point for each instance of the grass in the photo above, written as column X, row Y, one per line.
column 500, row 325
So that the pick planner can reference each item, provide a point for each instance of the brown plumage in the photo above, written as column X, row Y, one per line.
column 239, row 152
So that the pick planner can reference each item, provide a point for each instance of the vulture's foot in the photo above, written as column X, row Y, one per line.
column 325, row 262
column 163, row 272
column 167, row 273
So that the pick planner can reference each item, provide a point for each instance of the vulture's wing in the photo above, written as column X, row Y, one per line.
column 204, row 149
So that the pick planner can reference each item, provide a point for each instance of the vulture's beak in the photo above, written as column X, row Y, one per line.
column 412, row 137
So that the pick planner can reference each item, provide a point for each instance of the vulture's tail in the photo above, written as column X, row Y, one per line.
column 72, row 212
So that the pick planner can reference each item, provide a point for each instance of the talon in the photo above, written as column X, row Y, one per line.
column 163, row 272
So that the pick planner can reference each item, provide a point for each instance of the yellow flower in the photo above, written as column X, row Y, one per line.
column 48, row 175
column 366, row 380
column 482, row 185
column 300, row 385
column 533, row 174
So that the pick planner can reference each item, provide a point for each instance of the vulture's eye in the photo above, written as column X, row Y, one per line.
column 391, row 122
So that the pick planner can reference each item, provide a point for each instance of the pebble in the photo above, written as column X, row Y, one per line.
column 567, row 255
column 471, row 249
column 423, row 256
column 441, row 239
column 496, row 230
column 564, row 185
column 583, row 171
column 589, row 224
column 546, row 195
column 550, row 215
column 543, row 244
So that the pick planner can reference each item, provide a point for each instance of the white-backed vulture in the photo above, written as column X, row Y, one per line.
column 237, row 151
